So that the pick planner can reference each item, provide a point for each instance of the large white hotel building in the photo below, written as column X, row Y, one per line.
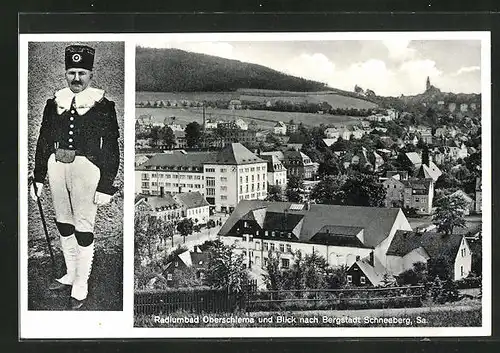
column 224, row 178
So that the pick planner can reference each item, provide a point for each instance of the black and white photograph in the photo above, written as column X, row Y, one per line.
column 311, row 183
column 75, row 109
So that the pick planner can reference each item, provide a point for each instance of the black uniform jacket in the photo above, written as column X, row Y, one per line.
column 93, row 134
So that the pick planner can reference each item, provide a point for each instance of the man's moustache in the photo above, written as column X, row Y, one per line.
column 76, row 83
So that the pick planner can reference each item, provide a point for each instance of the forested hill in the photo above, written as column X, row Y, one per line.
column 174, row 70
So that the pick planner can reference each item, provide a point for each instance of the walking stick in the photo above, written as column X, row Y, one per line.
column 47, row 238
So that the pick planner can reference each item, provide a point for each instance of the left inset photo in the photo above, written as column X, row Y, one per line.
column 75, row 167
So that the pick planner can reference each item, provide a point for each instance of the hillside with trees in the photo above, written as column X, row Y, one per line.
column 174, row 70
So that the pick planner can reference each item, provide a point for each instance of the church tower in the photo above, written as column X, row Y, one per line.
column 428, row 84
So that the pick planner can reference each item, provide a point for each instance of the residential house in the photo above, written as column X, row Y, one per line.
column 452, row 107
column 140, row 159
column 276, row 171
column 419, row 194
column 332, row 133
column 193, row 206
column 394, row 187
column 464, row 107
column 241, row 124
column 280, row 128
column 211, row 124
column 291, row 128
column 234, row 104
column 328, row 142
column 363, row 274
column 163, row 207
column 341, row 234
column 479, row 195
column 408, row 248
column 180, row 139
column 223, row 178
column 253, row 126
column 296, row 163
column 424, row 166
column 197, row 260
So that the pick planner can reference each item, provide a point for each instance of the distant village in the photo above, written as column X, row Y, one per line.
column 396, row 188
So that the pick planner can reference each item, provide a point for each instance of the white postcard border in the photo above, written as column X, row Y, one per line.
column 102, row 324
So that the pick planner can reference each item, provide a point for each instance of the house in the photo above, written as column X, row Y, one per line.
column 253, row 126
column 276, row 171
column 180, row 139
column 193, row 206
column 196, row 260
column 419, row 194
column 163, row 207
column 234, row 104
column 296, row 163
column 452, row 107
column 241, row 124
column 224, row 178
column 479, row 196
column 424, row 166
column 408, row 248
column 291, row 128
column 468, row 200
column 140, row 159
column 341, row 234
column 329, row 142
column 211, row 124
column 363, row 274
column 394, row 187
column 280, row 128
column 464, row 107
column 332, row 133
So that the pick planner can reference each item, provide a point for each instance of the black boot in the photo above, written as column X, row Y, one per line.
column 55, row 285
column 76, row 304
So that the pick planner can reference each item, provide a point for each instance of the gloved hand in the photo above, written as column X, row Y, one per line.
column 101, row 198
column 39, row 187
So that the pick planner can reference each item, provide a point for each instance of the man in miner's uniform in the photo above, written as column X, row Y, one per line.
column 78, row 149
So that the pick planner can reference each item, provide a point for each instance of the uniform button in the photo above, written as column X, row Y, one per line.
column 70, row 146
column 70, row 140
column 72, row 111
column 71, row 132
column 72, row 126
column 71, row 118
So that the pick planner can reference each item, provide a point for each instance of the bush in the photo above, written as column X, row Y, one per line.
column 469, row 282
column 443, row 291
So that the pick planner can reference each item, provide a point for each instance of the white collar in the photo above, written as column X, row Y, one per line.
column 83, row 100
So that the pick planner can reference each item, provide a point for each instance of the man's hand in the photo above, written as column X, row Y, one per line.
column 39, row 187
column 101, row 198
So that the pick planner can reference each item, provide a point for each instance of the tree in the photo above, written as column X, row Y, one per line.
column 274, row 193
column 316, row 271
column 155, row 135
column 274, row 278
column 440, row 267
column 193, row 134
column 168, row 137
column 293, row 195
column 329, row 190
column 450, row 213
column 185, row 227
column 186, row 278
column 225, row 268
column 295, row 182
column 362, row 190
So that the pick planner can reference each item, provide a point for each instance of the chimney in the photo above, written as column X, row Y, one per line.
column 372, row 259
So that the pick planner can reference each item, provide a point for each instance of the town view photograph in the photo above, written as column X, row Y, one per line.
column 322, row 183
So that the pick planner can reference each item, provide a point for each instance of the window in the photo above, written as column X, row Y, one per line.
column 241, row 189
column 145, row 176
column 210, row 170
column 285, row 263
column 154, row 175
column 362, row 280
column 349, row 279
column 273, row 233
column 223, row 170
column 246, row 179
column 197, row 186
column 160, row 175
column 288, row 248
column 223, row 197
column 464, row 252
column 223, row 179
column 257, row 245
column 210, row 192
column 175, row 176
column 461, row 271
column 176, row 264
column 246, row 188
column 258, row 177
column 272, row 246
column 145, row 185
column 241, row 179
column 266, row 246
column 210, row 181
column 169, row 276
column 190, row 177
column 282, row 247
column 253, row 178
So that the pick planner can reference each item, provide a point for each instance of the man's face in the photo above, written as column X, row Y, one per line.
column 78, row 79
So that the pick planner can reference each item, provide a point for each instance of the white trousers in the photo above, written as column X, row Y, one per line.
column 73, row 186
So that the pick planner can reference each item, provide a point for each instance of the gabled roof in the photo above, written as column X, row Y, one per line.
column 463, row 195
column 369, row 271
column 236, row 153
column 338, row 236
column 329, row 142
column 190, row 199
column 158, row 202
column 376, row 222
column 177, row 158
column 420, row 186
column 272, row 160
column 281, row 221
column 435, row 244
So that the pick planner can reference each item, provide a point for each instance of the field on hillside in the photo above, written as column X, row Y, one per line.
column 265, row 119
column 332, row 98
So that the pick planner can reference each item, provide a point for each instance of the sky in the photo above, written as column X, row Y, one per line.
column 389, row 68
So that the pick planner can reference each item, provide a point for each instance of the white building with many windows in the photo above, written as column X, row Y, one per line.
column 276, row 171
column 223, row 178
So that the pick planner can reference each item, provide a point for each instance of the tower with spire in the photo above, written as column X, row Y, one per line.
column 428, row 84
